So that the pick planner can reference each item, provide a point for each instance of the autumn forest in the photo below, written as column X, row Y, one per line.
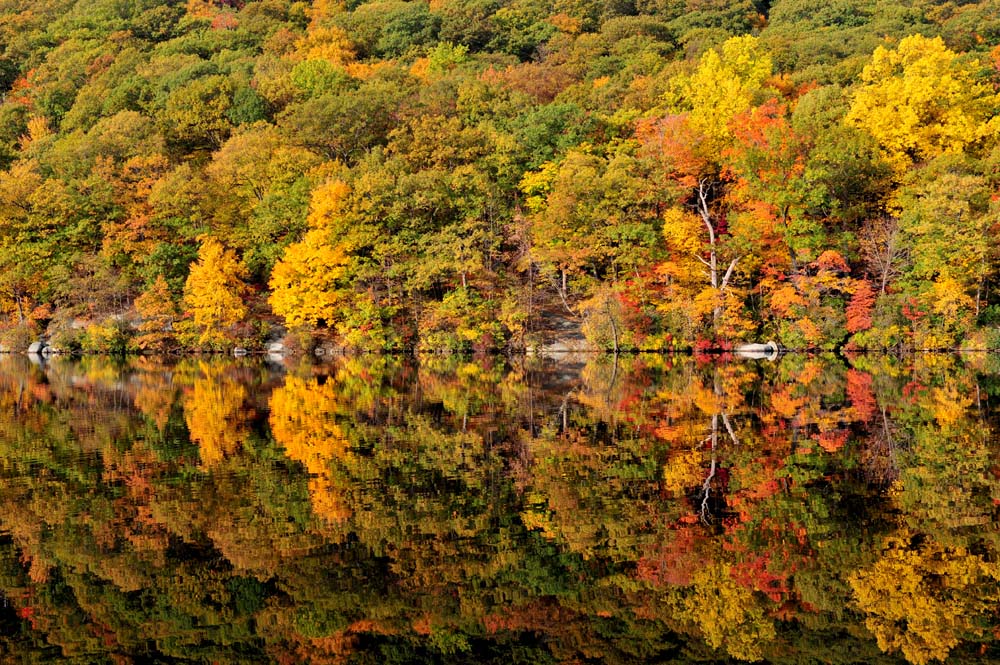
column 481, row 175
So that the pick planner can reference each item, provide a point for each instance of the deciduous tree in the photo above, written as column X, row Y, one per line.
column 215, row 293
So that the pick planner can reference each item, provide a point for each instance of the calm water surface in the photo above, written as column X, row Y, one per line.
column 377, row 511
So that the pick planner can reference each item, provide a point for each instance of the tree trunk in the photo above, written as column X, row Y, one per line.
column 719, row 285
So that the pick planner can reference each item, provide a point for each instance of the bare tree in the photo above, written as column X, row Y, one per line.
column 883, row 249
column 720, row 284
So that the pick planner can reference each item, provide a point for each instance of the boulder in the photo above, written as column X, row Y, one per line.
column 36, row 348
column 766, row 351
column 239, row 352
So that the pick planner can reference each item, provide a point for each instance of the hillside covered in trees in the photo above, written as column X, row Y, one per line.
column 474, row 174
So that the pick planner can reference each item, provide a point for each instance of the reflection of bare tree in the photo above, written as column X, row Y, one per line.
column 713, row 439
column 879, row 456
column 706, row 488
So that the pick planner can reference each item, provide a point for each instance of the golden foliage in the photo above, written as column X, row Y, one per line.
column 326, row 43
column 921, row 598
column 215, row 292
column 214, row 413
column 682, row 471
column 683, row 232
column 723, row 86
column 302, row 421
column 728, row 614
column 328, row 202
column 304, row 283
column 921, row 100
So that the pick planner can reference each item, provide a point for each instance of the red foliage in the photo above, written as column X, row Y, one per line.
column 913, row 391
column 832, row 441
column 19, row 90
column 754, row 574
column 672, row 145
column 712, row 350
column 859, row 309
column 673, row 561
column 832, row 261
column 912, row 311
column 225, row 21
column 767, row 150
column 859, row 392
column 754, row 128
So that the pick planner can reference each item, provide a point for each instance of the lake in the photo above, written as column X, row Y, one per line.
column 379, row 510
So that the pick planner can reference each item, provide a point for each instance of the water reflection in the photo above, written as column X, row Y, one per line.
column 650, row 509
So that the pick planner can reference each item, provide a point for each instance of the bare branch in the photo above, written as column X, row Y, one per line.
column 729, row 273
column 729, row 428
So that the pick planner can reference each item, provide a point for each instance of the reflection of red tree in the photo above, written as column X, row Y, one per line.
column 768, row 567
column 859, row 393
column 675, row 559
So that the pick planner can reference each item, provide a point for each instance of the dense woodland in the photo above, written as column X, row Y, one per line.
column 485, row 174
column 371, row 511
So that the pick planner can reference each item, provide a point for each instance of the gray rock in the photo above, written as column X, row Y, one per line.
column 36, row 348
column 276, row 347
column 239, row 352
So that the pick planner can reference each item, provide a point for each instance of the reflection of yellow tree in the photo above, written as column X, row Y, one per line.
column 946, row 485
column 155, row 394
column 682, row 471
column 921, row 598
column 302, row 422
column 213, row 410
column 728, row 613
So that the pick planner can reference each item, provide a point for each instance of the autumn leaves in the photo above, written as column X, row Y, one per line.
column 893, row 250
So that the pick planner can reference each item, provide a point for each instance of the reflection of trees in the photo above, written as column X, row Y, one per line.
column 921, row 598
column 302, row 422
column 464, row 506
column 214, row 412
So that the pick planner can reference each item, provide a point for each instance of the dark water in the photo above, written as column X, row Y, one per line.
column 374, row 511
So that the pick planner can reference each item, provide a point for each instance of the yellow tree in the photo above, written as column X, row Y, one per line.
column 728, row 614
column 215, row 293
column 214, row 413
column 304, row 283
column 922, row 598
column 159, row 313
column 725, row 84
column 922, row 100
